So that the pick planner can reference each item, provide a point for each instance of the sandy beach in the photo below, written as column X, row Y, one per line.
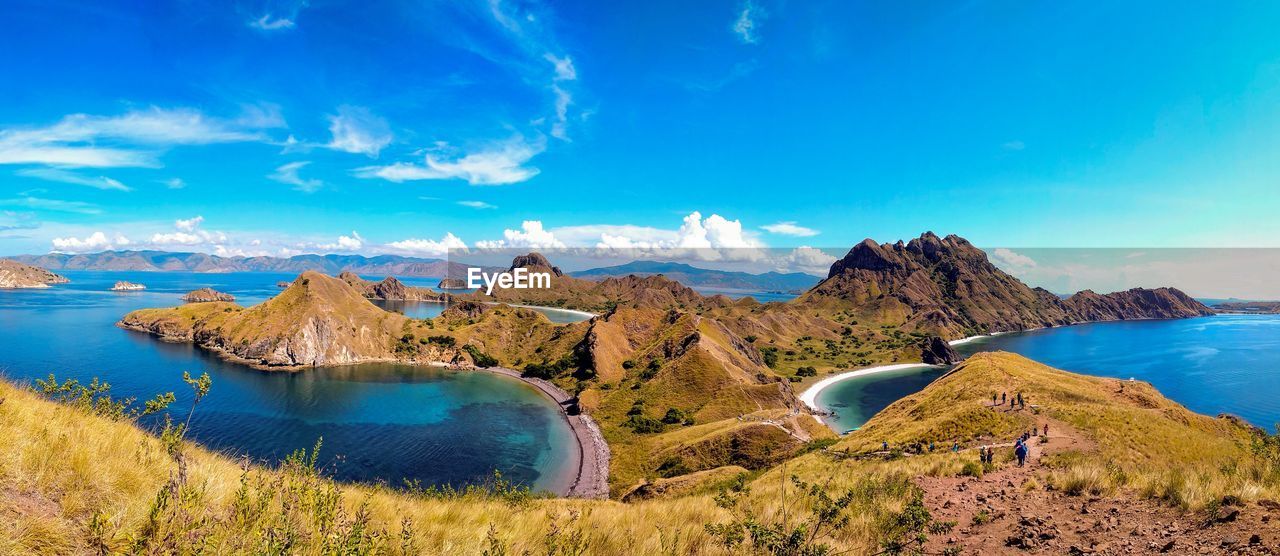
column 592, row 480
column 810, row 395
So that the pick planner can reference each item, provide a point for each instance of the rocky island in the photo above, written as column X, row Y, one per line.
column 123, row 286
column 16, row 275
column 207, row 295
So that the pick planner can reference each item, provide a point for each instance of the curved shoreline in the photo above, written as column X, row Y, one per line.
column 810, row 394
column 592, row 480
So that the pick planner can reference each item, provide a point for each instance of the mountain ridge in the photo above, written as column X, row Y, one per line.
column 173, row 261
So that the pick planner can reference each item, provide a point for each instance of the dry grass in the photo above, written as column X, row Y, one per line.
column 71, row 482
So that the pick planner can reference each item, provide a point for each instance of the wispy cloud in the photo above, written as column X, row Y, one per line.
column 497, row 164
column 288, row 174
column 356, row 129
column 563, row 66
column 270, row 22
column 55, row 205
column 747, row 25
column 65, row 176
column 130, row 139
column 477, row 204
column 174, row 183
column 789, row 228
column 1014, row 145
column 277, row 15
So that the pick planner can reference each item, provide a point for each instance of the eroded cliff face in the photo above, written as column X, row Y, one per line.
column 946, row 286
column 15, row 275
column 318, row 320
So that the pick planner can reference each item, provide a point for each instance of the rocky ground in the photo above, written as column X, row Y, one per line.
column 1009, row 511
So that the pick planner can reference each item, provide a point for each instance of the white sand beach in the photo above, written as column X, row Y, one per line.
column 810, row 395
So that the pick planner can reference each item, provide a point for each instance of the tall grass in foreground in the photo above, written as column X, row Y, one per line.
column 75, row 479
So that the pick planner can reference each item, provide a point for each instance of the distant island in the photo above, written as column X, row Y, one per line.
column 16, row 275
column 124, row 286
column 1249, row 307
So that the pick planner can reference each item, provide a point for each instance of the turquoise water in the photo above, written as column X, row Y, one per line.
column 379, row 422
column 855, row 400
column 1211, row 365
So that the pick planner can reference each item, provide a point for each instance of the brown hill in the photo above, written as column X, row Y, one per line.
column 946, row 286
column 317, row 320
column 14, row 275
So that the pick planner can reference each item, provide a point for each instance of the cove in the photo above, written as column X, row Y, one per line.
column 380, row 422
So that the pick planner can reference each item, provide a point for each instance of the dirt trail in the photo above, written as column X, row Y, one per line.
column 1010, row 511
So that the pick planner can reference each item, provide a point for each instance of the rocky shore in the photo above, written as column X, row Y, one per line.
column 592, row 480
column 15, row 275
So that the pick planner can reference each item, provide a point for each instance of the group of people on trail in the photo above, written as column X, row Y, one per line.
column 1017, row 401
column 986, row 454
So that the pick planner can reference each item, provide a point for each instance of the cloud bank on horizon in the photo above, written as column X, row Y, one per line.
column 294, row 127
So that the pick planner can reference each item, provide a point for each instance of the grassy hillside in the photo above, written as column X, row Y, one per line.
column 75, row 482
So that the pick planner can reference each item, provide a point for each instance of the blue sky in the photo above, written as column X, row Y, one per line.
column 403, row 127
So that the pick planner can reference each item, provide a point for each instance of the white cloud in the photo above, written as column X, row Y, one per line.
column 498, row 164
column 563, row 66
column 97, row 241
column 1011, row 261
column 746, row 26
column 65, row 176
column 188, row 225
column 357, row 130
column 531, row 235
column 269, row 22
column 477, row 204
column 288, row 174
column 789, row 228
column 175, row 183
column 352, row 242
column 188, row 234
column 130, row 139
column 808, row 260
column 429, row 247
column 559, row 128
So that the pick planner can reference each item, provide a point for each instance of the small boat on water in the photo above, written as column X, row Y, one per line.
column 123, row 286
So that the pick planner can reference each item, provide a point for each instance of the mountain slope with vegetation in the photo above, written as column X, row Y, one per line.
column 106, row 486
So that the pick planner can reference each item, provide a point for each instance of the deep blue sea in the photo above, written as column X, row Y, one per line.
column 1211, row 365
column 379, row 422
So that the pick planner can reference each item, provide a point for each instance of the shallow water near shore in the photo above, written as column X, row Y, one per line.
column 379, row 422
column 1211, row 365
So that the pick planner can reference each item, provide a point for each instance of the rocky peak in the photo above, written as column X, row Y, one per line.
column 206, row 295
column 534, row 260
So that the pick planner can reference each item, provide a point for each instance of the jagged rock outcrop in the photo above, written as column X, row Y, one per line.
column 388, row 288
column 936, row 351
column 534, row 262
column 14, row 275
column 207, row 295
column 946, row 286
column 126, row 286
